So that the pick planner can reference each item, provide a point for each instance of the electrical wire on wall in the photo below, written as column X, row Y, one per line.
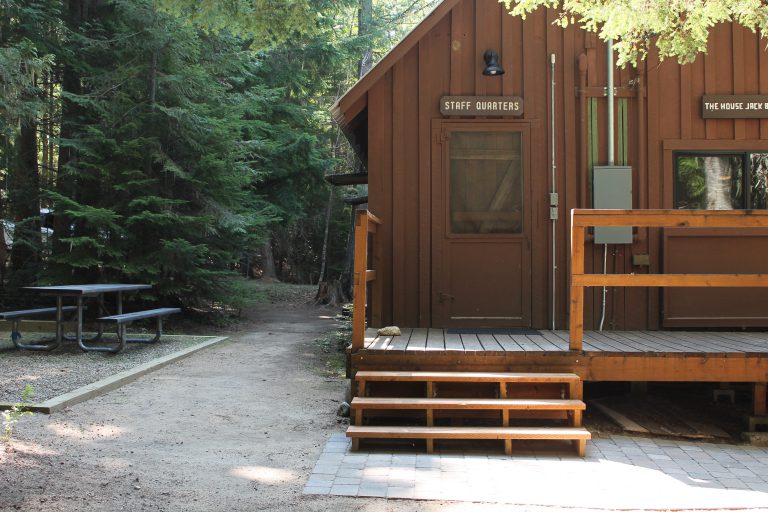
column 605, row 288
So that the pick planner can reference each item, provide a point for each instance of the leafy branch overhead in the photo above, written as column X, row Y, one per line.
column 266, row 22
column 677, row 28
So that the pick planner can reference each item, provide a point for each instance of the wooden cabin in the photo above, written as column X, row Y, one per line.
column 473, row 175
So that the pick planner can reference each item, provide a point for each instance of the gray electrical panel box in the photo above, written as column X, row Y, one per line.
column 612, row 187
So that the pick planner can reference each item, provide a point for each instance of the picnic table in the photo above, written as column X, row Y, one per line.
column 82, row 294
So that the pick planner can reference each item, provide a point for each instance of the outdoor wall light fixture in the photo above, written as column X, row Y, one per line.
column 492, row 66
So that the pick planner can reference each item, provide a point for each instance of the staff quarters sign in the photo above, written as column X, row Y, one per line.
column 734, row 106
column 481, row 106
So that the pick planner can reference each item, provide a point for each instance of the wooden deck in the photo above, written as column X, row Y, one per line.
column 653, row 356
column 618, row 342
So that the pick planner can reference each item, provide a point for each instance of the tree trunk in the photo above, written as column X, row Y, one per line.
column 268, row 261
column 24, row 203
column 324, row 255
column 331, row 293
column 349, row 258
column 718, row 177
column 70, row 112
column 364, row 27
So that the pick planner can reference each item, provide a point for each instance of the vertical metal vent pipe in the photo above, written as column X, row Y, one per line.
column 553, row 202
column 611, row 161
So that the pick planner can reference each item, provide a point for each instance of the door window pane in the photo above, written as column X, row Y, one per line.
column 709, row 182
column 486, row 182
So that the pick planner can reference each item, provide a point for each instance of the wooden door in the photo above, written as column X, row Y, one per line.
column 481, row 250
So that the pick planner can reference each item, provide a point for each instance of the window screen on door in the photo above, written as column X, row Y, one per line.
column 486, row 184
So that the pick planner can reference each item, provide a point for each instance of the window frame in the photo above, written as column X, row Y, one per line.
column 441, row 130
column 451, row 185
column 746, row 166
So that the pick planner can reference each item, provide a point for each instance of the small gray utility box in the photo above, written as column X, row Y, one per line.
column 612, row 185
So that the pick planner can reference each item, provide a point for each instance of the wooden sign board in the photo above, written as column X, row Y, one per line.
column 734, row 106
column 481, row 106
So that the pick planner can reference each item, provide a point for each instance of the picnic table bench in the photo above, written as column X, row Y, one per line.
column 80, row 294
column 17, row 316
column 122, row 320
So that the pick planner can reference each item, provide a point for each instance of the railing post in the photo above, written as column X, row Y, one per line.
column 577, row 292
column 360, row 283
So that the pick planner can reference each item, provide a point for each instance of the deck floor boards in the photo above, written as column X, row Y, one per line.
column 617, row 342
column 507, row 343
column 400, row 343
column 471, row 343
column 418, row 340
column 553, row 337
column 525, row 343
column 683, row 338
column 753, row 344
column 489, row 343
column 453, row 342
column 435, row 340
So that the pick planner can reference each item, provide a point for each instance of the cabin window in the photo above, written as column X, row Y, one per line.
column 721, row 181
column 486, row 183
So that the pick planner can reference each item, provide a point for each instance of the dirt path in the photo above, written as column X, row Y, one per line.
column 236, row 427
column 231, row 426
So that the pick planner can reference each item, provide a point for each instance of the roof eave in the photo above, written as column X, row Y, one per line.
column 347, row 107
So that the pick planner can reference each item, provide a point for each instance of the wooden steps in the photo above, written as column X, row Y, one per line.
column 517, row 404
column 471, row 433
column 466, row 377
column 575, row 388
column 569, row 404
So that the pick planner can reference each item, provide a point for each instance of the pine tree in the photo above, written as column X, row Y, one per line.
column 156, row 186
column 25, row 30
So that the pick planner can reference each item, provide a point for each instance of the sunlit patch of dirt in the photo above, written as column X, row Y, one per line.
column 89, row 432
column 263, row 474
column 25, row 448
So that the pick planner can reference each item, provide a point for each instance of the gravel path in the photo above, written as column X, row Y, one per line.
column 67, row 368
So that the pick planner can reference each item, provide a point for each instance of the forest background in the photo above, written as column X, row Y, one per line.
column 180, row 143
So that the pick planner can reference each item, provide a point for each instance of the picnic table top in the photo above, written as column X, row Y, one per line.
column 88, row 289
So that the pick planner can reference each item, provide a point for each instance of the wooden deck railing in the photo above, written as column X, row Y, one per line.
column 582, row 219
column 365, row 223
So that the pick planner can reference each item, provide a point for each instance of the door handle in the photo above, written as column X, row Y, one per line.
column 444, row 296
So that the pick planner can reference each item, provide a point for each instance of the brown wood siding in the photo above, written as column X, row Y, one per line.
column 447, row 59
column 410, row 202
column 380, row 195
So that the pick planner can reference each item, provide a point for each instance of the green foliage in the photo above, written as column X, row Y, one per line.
column 162, row 167
column 174, row 138
column 23, row 58
column 690, row 183
column 677, row 28
column 333, row 346
column 16, row 412
column 695, row 175
column 261, row 21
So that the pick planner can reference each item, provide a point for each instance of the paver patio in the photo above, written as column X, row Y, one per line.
column 618, row 473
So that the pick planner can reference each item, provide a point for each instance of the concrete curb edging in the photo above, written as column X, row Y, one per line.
column 108, row 384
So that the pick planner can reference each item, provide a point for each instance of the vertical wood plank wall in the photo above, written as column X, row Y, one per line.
column 448, row 60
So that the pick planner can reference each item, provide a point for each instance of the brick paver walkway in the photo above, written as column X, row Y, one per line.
column 618, row 472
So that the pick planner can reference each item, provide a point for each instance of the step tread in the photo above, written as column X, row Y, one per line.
column 467, row 403
column 568, row 433
column 464, row 376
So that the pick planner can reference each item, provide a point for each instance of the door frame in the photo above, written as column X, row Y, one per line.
column 440, row 211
